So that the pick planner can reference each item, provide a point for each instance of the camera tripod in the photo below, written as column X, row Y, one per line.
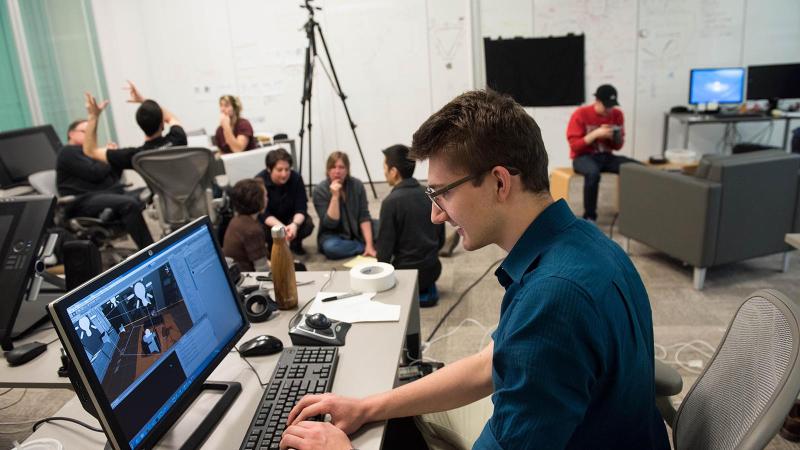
column 308, row 80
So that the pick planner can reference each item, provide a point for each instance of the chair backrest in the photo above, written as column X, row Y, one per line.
column 181, row 181
column 44, row 182
column 751, row 382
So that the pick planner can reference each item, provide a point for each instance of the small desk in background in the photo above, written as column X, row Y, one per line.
column 367, row 365
column 689, row 119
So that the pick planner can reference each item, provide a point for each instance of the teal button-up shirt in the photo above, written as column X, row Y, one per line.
column 573, row 351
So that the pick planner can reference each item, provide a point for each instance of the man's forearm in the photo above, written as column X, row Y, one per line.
column 453, row 386
column 90, row 140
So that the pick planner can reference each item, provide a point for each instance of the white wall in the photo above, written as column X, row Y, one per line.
column 646, row 49
column 396, row 62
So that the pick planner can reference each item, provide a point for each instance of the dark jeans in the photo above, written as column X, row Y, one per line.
column 590, row 166
column 303, row 232
column 126, row 207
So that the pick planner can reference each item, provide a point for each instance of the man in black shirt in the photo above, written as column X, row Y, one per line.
column 97, row 187
column 407, row 238
column 151, row 119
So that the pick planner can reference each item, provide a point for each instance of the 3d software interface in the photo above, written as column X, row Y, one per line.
column 150, row 332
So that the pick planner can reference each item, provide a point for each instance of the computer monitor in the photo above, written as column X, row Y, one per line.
column 146, row 334
column 773, row 82
column 724, row 85
column 27, row 151
column 23, row 222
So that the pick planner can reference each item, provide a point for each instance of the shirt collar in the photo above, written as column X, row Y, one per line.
column 539, row 234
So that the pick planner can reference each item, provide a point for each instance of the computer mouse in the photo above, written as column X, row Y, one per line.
column 261, row 345
column 318, row 321
column 24, row 353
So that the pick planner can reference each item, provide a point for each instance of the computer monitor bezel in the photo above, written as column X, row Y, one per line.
column 6, row 179
column 711, row 69
column 750, row 69
column 91, row 385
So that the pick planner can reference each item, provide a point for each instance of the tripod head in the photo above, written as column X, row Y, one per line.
column 310, row 8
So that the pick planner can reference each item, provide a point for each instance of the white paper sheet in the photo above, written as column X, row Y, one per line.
column 360, row 308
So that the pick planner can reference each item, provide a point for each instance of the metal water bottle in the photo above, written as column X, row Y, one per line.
column 282, row 264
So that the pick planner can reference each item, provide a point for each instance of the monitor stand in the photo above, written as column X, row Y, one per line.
column 31, row 314
column 229, row 389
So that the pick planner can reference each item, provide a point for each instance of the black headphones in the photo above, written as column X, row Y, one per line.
column 258, row 305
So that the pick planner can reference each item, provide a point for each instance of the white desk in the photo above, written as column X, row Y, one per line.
column 367, row 365
column 690, row 119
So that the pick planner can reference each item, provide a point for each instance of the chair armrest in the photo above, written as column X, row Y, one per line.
column 671, row 212
column 66, row 200
column 668, row 380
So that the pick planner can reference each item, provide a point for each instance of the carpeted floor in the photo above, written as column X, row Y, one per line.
column 680, row 313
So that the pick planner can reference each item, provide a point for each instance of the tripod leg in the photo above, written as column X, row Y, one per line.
column 343, row 97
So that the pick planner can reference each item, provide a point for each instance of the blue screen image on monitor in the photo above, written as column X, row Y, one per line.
column 724, row 85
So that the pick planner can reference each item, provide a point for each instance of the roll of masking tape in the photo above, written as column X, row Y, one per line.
column 372, row 277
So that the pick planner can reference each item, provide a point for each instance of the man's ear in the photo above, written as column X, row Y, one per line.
column 503, row 181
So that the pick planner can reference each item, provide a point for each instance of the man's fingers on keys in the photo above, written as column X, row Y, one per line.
column 290, row 441
column 310, row 411
column 299, row 406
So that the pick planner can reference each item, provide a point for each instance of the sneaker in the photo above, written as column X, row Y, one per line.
column 450, row 243
column 429, row 297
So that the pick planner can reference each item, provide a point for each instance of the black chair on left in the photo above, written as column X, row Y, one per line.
column 101, row 230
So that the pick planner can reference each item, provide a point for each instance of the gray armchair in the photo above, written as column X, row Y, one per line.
column 734, row 208
column 741, row 398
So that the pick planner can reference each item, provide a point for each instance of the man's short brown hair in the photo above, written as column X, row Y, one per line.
column 247, row 196
column 482, row 129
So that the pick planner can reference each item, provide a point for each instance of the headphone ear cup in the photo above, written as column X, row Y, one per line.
column 258, row 306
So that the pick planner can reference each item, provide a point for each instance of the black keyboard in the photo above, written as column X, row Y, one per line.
column 300, row 371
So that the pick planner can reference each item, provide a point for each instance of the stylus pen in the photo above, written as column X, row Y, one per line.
column 339, row 297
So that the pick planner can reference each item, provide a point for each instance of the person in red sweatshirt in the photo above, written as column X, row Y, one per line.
column 594, row 132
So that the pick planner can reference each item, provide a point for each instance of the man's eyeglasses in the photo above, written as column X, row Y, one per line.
column 432, row 194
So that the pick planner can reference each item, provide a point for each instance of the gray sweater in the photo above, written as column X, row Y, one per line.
column 352, row 210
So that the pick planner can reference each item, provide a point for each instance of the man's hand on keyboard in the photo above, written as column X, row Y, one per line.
column 348, row 414
column 314, row 436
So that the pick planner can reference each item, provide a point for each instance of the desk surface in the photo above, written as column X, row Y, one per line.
column 367, row 365
column 793, row 239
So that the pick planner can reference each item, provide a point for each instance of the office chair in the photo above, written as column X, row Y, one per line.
column 741, row 398
column 101, row 230
column 181, row 180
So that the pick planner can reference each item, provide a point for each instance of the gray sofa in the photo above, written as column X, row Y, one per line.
column 733, row 208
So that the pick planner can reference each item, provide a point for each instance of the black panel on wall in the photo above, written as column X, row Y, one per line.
column 537, row 71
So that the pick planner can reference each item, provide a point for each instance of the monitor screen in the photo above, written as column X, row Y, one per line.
column 775, row 81
column 149, row 332
column 27, row 151
column 724, row 85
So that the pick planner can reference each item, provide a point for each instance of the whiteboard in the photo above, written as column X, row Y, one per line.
column 646, row 49
column 396, row 62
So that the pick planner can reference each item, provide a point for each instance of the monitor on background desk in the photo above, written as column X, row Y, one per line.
column 27, row 151
column 773, row 82
column 722, row 85
column 146, row 334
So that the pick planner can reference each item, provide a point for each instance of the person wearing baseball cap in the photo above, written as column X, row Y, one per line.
column 594, row 132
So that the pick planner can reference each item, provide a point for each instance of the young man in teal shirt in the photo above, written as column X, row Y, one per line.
column 571, row 362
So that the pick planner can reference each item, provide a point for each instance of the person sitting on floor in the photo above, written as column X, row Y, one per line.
column 288, row 204
column 245, row 240
column 409, row 240
column 345, row 226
